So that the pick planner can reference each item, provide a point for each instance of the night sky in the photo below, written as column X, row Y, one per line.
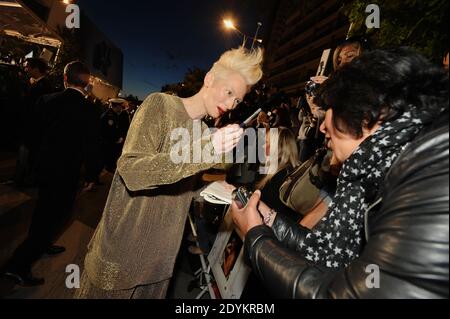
column 161, row 40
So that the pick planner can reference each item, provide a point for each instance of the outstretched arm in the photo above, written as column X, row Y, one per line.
column 146, row 161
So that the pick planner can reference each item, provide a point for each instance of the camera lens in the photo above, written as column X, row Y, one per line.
column 311, row 88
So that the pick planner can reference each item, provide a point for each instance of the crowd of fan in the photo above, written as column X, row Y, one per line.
column 32, row 82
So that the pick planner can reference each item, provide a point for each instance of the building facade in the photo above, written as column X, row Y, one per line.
column 41, row 21
column 301, row 31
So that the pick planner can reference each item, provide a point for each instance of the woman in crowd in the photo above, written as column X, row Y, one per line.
column 389, row 128
column 348, row 50
column 344, row 53
column 133, row 250
column 287, row 159
column 309, row 135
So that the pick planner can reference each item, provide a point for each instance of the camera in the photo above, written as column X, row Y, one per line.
column 242, row 195
column 312, row 88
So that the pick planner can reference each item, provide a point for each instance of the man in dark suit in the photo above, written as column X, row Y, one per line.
column 66, row 134
column 39, row 85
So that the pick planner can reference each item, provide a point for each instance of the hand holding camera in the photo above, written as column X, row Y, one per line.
column 248, row 211
column 245, row 217
column 312, row 88
column 241, row 195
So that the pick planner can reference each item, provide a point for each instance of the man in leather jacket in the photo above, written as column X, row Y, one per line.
column 406, row 250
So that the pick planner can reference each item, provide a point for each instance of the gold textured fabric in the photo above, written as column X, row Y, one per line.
column 152, row 291
column 139, row 235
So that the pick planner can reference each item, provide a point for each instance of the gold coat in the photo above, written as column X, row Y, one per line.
column 139, row 235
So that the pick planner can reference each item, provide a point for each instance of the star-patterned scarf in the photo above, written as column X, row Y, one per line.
column 337, row 240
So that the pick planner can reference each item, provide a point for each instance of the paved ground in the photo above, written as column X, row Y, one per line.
column 16, row 207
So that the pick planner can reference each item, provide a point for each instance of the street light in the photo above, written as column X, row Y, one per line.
column 229, row 24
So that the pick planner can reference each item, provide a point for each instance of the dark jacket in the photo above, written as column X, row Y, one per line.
column 114, row 126
column 67, row 134
column 30, row 110
column 407, row 236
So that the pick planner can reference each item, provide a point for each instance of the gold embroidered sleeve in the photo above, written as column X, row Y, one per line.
column 145, row 162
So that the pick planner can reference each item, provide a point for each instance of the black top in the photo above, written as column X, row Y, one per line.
column 67, row 135
column 270, row 194
column 114, row 126
column 31, row 110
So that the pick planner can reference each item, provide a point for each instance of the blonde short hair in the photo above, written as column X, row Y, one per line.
column 246, row 63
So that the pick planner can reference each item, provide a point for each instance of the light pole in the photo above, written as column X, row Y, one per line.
column 255, row 38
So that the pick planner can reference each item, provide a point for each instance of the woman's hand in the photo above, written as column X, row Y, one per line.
column 226, row 138
column 249, row 217
column 316, row 110
column 319, row 79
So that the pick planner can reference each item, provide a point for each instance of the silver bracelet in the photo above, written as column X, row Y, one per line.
column 269, row 217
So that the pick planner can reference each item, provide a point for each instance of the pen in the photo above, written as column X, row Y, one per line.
column 243, row 124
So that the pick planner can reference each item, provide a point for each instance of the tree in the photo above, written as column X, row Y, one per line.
column 420, row 24
column 132, row 98
column 192, row 83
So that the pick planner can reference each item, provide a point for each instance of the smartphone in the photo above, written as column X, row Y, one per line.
column 242, row 196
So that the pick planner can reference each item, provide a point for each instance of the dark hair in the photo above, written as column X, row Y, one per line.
column 74, row 70
column 380, row 86
column 37, row 63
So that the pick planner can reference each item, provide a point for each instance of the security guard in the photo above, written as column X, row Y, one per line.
column 114, row 128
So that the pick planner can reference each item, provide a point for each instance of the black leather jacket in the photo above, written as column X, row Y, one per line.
column 407, row 236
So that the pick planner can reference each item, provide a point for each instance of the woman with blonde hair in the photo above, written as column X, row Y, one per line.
column 278, row 171
column 348, row 50
column 133, row 251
